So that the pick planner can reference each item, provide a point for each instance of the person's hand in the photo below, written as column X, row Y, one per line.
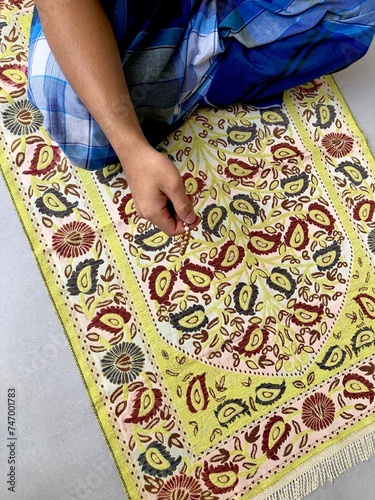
column 158, row 191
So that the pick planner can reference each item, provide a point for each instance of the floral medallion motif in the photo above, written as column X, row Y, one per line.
column 73, row 239
column 180, row 487
column 123, row 363
column 318, row 412
column 22, row 118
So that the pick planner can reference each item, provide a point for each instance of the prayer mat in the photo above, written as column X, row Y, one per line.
column 245, row 367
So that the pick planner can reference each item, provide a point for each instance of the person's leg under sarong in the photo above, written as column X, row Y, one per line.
column 258, row 75
column 66, row 119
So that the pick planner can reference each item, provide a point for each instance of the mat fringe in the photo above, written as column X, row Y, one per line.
column 327, row 466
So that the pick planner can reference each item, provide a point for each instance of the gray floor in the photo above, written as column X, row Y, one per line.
column 60, row 452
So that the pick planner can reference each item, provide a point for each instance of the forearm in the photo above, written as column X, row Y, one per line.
column 83, row 43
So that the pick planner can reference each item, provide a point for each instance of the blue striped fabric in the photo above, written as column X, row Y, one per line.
column 178, row 55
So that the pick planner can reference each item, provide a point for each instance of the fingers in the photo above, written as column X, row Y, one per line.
column 160, row 211
column 173, row 207
column 182, row 206
column 168, row 219
column 159, row 194
column 184, row 209
column 169, row 215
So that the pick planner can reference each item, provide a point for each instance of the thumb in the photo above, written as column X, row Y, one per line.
column 182, row 205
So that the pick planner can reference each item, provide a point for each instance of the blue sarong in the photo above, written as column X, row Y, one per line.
column 178, row 55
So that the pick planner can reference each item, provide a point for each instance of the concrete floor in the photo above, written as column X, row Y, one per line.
column 60, row 452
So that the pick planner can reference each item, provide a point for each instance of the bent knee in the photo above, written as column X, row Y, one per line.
column 65, row 118
column 78, row 135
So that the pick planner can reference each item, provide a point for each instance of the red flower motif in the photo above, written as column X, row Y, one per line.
column 193, row 185
column 73, row 239
column 146, row 404
column 318, row 411
column 262, row 243
column 221, row 478
column 14, row 75
column 197, row 277
column 275, row 434
column 110, row 319
column 356, row 386
column 161, row 283
column 229, row 257
column 127, row 209
column 285, row 151
column 238, row 169
column 321, row 217
column 253, row 341
column 180, row 488
column 307, row 314
column 197, row 395
column 297, row 236
column 364, row 210
column 337, row 144
column 44, row 160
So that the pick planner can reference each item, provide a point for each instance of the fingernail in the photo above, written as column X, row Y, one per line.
column 190, row 218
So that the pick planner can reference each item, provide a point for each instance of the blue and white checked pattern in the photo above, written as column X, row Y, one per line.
column 208, row 51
